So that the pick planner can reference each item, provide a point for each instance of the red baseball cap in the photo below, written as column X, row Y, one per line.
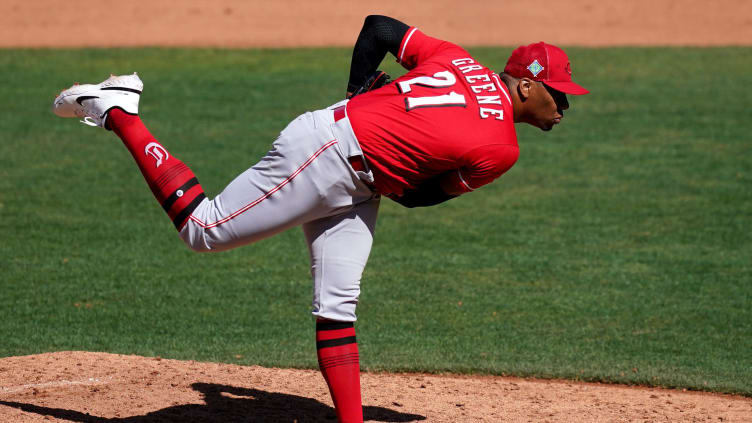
column 545, row 63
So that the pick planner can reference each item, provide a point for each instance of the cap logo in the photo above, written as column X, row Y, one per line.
column 535, row 68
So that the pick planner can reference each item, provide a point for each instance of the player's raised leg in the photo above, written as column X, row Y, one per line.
column 303, row 178
column 339, row 247
column 113, row 104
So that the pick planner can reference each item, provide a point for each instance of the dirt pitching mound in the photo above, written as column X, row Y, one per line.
column 98, row 387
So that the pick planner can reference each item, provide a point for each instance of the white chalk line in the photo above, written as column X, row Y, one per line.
column 55, row 384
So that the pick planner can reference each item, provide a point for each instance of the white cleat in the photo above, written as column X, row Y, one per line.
column 91, row 103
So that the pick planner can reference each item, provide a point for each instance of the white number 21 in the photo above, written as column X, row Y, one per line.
column 442, row 79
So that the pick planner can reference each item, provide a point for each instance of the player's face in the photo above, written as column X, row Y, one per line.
column 551, row 105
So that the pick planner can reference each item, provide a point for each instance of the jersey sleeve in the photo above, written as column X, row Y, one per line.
column 417, row 47
column 482, row 165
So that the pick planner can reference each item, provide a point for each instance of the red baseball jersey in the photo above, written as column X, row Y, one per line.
column 448, row 114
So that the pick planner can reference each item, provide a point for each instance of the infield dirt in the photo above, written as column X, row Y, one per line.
column 100, row 387
column 291, row 23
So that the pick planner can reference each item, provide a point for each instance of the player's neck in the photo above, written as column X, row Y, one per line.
column 517, row 106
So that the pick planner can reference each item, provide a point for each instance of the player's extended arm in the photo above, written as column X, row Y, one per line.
column 379, row 35
column 434, row 191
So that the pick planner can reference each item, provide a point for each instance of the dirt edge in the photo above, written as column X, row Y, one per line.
column 70, row 385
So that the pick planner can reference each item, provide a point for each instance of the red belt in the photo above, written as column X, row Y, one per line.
column 357, row 162
column 339, row 113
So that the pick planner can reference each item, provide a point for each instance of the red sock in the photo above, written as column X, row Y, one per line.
column 340, row 365
column 174, row 185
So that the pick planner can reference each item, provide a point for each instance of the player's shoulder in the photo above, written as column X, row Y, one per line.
column 417, row 47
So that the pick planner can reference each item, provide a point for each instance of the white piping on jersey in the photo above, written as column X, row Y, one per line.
column 268, row 193
column 502, row 89
column 463, row 181
column 407, row 40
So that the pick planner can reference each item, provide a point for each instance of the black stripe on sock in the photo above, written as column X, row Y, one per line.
column 174, row 196
column 349, row 363
column 326, row 362
column 168, row 176
column 187, row 210
column 339, row 357
column 132, row 90
column 333, row 325
column 335, row 342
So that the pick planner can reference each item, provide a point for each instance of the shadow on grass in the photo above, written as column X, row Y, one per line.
column 229, row 404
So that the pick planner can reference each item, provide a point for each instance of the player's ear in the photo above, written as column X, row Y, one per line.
column 525, row 88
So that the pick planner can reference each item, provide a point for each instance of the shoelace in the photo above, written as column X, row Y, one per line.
column 88, row 120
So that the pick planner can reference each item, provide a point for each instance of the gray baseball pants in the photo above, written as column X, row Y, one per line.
column 306, row 179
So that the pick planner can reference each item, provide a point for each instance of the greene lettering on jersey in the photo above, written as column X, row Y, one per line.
column 449, row 113
column 492, row 81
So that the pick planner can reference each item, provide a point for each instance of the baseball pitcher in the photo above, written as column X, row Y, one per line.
column 443, row 129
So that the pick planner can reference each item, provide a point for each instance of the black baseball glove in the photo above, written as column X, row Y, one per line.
column 377, row 80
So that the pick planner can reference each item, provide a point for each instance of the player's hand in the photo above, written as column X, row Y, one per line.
column 375, row 81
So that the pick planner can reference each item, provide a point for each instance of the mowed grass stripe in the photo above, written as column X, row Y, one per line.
column 617, row 249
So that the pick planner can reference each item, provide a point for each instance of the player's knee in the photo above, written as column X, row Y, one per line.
column 199, row 248
column 203, row 240
column 195, row 238
column 196, row 235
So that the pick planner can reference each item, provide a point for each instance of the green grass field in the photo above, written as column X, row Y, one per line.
column 618, row 249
